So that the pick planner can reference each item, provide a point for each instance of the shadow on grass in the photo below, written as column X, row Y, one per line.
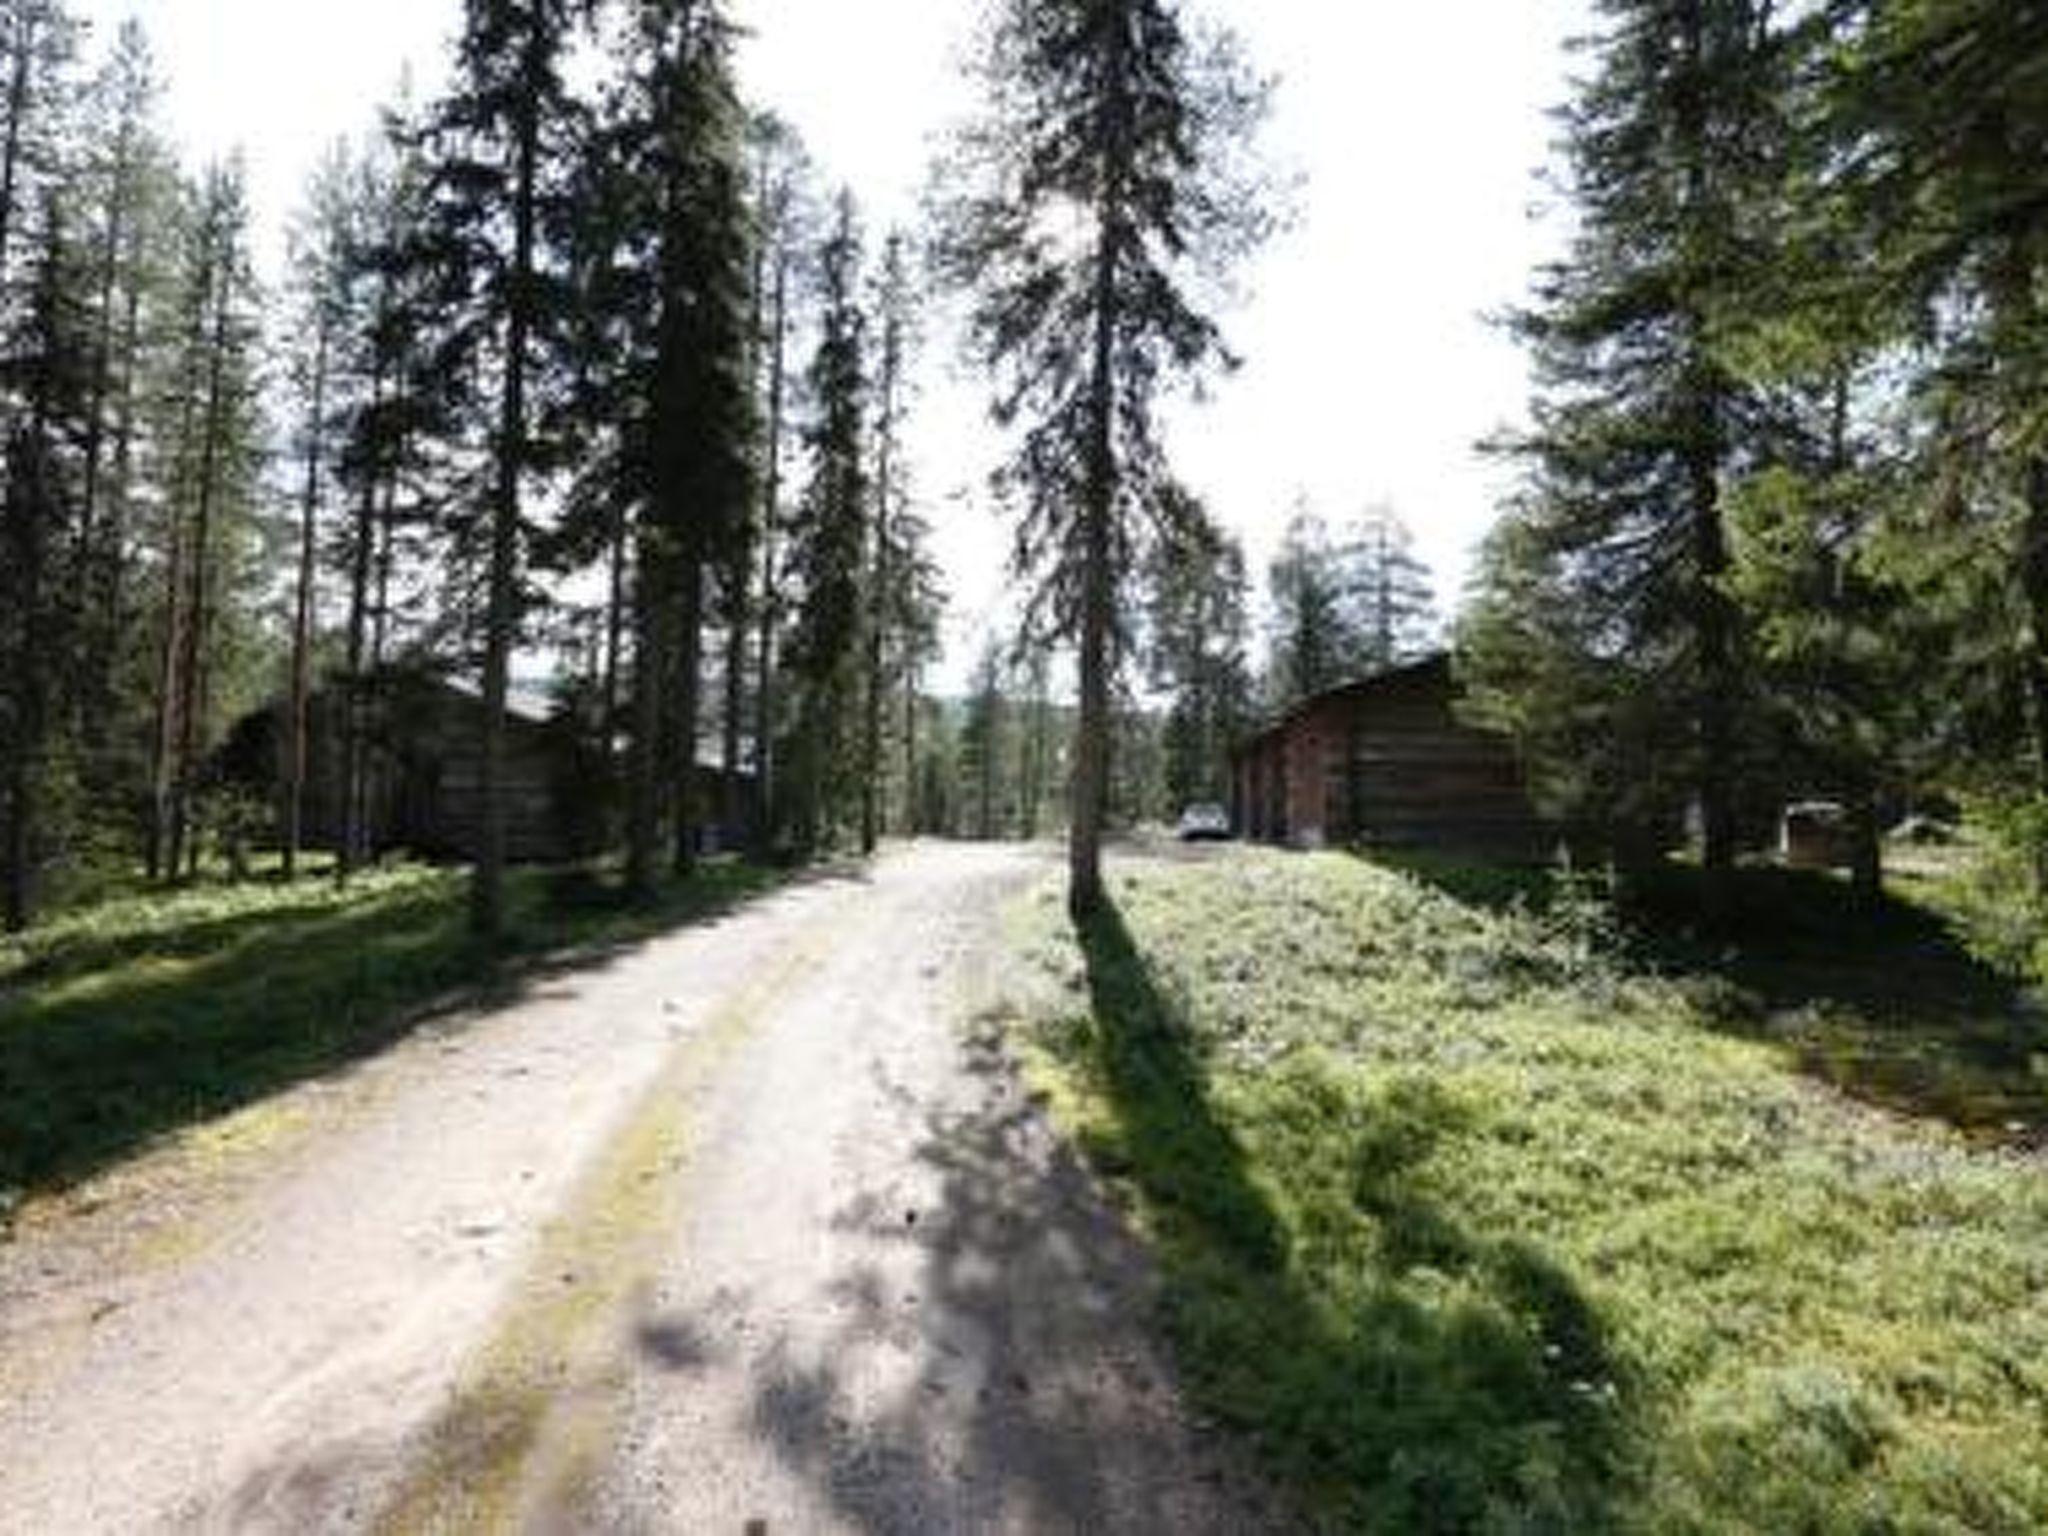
column 1416, row 1375
column 1886, row 1003
column 114, row 1038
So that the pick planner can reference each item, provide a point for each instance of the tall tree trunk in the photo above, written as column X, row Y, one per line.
column 913, row 823
column 1713, row 614
column 643, row 785
column 487, row 903
column 113, row 593
column 689, row 708
column 351, row 839
column 878, row 621
column 164, row 738
column 770, row 610
column 17, row 121
column 614, row 645
column 1714, row 629
column 91, row 697
column 25, row 753
column 193, row 683
column 731, row 807
column 2034, row 592
column 1090, row 791
column 302, row 616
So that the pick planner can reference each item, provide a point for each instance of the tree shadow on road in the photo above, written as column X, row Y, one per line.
column 1034, row 1398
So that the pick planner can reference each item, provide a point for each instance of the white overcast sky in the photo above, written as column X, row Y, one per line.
column 1370, row 371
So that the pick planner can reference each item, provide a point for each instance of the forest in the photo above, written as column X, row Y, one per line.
column 596, row 386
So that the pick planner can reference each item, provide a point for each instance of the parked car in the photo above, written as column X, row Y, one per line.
column 1204, row 823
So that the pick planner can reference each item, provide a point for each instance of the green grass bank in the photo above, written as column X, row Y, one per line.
column 1484, row 1218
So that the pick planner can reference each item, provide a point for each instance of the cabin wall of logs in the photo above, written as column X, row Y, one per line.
column 1385, row 763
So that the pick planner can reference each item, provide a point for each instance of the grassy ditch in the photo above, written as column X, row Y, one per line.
column 1477, row 1225
column 147, row 1013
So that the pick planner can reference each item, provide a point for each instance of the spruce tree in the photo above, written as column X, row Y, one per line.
column 1089, row 207
column 1198, row 634
column 828, row 544
column 1390, row 590
column 1639, row 417
column 1314, row 638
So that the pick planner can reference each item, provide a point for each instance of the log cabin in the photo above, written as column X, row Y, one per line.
column 1386, row 762
column 422, row 782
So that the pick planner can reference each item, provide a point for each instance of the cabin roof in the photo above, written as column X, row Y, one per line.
column 1433, row 668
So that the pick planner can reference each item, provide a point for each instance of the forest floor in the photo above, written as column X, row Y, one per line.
column 1484, row 1207
column 742, row 1227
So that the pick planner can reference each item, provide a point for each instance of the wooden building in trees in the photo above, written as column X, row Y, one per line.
column 422, row 774
column 1386, row 762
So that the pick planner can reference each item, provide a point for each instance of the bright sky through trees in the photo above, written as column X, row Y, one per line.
column 1413, row 132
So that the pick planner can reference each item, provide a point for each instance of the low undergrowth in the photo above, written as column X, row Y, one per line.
column 149, row 1012
column 1477, row 1225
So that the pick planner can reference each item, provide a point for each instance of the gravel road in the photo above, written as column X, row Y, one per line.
column 747, row 1230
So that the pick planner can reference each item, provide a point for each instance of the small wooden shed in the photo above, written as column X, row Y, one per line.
column 1386, row 762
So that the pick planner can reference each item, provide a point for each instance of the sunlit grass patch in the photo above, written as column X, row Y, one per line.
column 1479, row 1224
column 152, row 1012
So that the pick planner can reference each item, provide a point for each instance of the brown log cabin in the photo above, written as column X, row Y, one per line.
column 1386, row 762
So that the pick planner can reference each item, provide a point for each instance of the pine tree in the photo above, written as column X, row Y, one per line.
column 895, row 325
column 675, row 282
column 1099, row 191
column 214, row 434
column 322, row 249
column 128, row 185
column 497, row 147
column 48, row 372
column 986, row 753
column 779, row 219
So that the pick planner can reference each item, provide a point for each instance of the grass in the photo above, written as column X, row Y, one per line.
column 1894, row 1005
column 151, row 1012
column 1478, row 1222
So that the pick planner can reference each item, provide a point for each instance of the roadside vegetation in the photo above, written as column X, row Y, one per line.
column 1484, row 1209
column 152, row 1011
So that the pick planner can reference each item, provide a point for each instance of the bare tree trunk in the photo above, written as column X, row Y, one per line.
column 164, row 738
column 487, row 892
column 302, row 617
column 24, row 754
column 689, row 706
column 878, row 614
column 912, row 821
column 1090, row 790
column 113, row 593
column 643, row 787
column 17, row 118
column 199, row 612
column 771, row 613
column 731, row 806
column 614, row 643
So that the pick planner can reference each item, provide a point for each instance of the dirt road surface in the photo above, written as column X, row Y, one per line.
column 744, row 1231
